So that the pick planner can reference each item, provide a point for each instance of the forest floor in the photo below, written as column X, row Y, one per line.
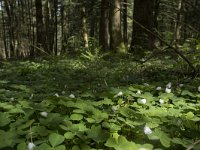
column 81, row 102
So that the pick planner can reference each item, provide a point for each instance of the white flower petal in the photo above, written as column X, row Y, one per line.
column 115, row 108
column 169, row 85
column 161, row 101
column 31, row 146
column 168, row 90
column 159, row 88
column 147, row 130
column 143, row 101
column 138, row 92
column 57, row 95
column 71, row 96
column 142, row 148
column 44, row 114
column 119, row 94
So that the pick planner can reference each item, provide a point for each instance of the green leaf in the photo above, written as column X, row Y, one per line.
column 4, row 119
column 97, row 134
column 56, row 139
column 22, row 146
column 44, row 146
column 69, row 135
column 60, row 147
column 76, row 117
column 6, row 139
column 75, row 147
column 189, row 115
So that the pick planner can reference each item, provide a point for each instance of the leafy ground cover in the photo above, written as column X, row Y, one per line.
column 81, row 104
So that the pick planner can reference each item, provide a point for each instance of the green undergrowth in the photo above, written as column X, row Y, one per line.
column 104, row 104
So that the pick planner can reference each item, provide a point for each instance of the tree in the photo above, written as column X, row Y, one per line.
column 142, row 17
column 116, row 40
column 41, row 44
column 104, row 35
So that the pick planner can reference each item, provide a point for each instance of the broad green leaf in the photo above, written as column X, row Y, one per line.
column 97, row 134
column 76, row 117
column 189, row 115
column 69, row 135
column 22, row 146
column 4, row 119
column 56, row 139
column 7, row 139
column 75, row 148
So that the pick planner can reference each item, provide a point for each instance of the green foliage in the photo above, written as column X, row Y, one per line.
column 106, row 111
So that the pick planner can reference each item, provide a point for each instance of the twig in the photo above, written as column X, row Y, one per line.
column 193, row 145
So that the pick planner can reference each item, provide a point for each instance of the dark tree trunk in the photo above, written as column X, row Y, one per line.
column 125, row 26
column 104, row 35
column 40, row 36
column 143, row 14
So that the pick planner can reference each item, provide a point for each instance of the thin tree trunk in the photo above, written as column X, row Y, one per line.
column 4, row 33
column 84, row 26
column 125, row 26
column 177, row 28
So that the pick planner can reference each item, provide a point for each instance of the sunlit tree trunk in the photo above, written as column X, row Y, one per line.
column 116, row 40
column 84, row 26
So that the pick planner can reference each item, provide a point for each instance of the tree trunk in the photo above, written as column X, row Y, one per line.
column 177, row 28
column 40, row 36
column 125, row 26
column 116, row 40
column 142, row 16
column 84, row 26
column 104, row 35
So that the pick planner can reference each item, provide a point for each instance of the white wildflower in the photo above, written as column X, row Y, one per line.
column 161, row 101
column 138, row 92
column 119, row 94
column 44, row 114
column 56, row 95
column 181, row 85
column 147, row 130
column 71, row 96
column 159, row 88
column 63, row 92
column 199, row 88
column 115, row 108
column 143, row 101
column 31, row 146
column 168, row 90
column 169, row 85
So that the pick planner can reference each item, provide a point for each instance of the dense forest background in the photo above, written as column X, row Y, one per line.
column 55, row 27
column 99, row 74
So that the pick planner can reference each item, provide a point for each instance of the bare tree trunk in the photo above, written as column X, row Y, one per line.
column 104, row 35
column 39, row 28
column 143, row 14
column 84, row 26
column 116, row 40
column 177, row 28
column 125, row 26
column 4, row 34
